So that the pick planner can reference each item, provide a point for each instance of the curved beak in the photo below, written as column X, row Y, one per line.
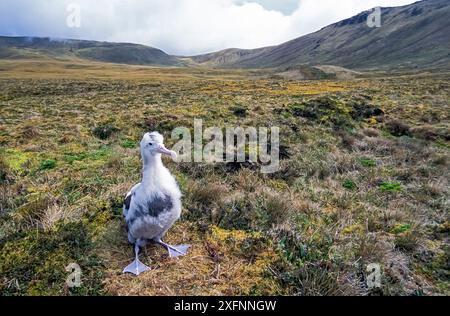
column 163, row 150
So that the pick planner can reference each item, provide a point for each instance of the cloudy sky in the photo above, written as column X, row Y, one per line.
column 182, row 27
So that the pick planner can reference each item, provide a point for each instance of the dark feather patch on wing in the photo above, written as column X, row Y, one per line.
column 159, row 205
column 128, row 201
column 153, row 208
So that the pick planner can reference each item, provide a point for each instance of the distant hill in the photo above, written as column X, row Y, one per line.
column 121, row 53
column 415, row 36
column 412, row 36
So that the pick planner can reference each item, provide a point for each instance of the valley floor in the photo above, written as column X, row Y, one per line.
column 364, row 180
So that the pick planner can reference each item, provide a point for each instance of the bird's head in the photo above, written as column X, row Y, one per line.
column 152, row 145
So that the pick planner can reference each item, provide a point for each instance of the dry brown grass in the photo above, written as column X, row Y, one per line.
column 218, row 264
column 350, row 191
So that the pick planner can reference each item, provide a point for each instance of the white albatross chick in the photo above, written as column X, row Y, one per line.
column 152, row 206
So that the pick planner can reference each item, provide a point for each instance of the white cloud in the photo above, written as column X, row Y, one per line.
column 284, row 6
column 181, row 26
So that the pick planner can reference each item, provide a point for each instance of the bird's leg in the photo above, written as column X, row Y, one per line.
column 174, row 251
column 136, row 267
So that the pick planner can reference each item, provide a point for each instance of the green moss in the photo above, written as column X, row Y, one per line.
column 367, row 162
column 128, row 143
column 401, row 228
column 47, row 164
column 349, row 184
column 390, row 187
column 16, row 159
column 101, row 154
column 97, row 222
column 72, row 157
column 37, row 261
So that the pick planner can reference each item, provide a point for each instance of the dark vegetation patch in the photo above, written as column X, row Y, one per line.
column 398, row 128
column 104, row 132
column 47, row 164
column 349, row 184
column 339, row 112
column 239, row 111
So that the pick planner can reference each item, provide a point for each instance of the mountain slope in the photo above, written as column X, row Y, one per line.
column 121, row 53
column 412, row 36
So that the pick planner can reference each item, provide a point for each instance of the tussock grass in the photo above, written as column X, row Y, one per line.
column 364, row 179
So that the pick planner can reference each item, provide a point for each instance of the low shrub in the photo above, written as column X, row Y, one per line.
column 104, row 132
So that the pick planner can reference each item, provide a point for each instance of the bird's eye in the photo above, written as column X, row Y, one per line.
column 151, row 144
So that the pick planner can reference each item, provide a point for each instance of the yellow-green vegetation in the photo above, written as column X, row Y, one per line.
column 364, row 179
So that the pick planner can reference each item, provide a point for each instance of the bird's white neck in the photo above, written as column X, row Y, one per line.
column 153, row 166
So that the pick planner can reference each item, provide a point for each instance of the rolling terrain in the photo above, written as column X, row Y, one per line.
column 67, row 49
column 364, row 179
column 412, row 36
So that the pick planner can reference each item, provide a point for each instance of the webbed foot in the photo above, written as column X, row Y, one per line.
column 174, row 251
column 136, row 267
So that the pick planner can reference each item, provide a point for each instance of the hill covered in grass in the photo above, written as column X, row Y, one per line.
column 412, row 36
column 120, row 53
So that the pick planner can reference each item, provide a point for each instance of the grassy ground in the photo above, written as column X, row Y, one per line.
column 364, row 180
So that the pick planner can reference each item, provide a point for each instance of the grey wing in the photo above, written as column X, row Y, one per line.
column 160, row 205
column 128, row 198
column 153, row 208
column 127, row 202
column 150, row 219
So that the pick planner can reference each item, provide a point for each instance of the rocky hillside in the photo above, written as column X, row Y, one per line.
column 412, row 36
